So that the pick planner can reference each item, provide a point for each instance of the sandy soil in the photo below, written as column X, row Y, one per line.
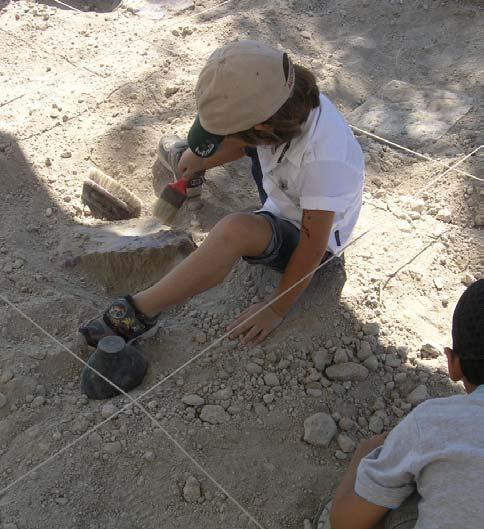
column 78, row 89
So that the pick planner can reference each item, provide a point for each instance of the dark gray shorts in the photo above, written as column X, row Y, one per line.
column 285, row 238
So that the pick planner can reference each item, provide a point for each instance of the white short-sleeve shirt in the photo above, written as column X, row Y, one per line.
column 323, row 169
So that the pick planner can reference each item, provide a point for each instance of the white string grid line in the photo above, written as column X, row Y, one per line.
column 133, row 401
column 434, row 180
column 136, row 401
column 169, row 24
column 406, row 149
column 174, row 372
column 69, row 6
column 167, row 377
column 174, row 21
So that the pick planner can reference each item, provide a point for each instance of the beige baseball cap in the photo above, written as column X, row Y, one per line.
column 242, row 84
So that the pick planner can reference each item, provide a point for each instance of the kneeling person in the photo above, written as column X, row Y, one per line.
column 429, row 472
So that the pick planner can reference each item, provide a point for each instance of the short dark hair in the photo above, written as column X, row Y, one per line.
column 287, row 121
column 468, row 332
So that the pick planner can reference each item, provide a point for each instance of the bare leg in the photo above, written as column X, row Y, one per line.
column 234, row 236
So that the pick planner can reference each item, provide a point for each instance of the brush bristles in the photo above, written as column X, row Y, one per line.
column 164, row 211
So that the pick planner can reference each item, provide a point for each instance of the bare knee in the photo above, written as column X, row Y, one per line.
column 244, row 232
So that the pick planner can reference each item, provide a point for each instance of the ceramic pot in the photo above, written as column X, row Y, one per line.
column 122, row 364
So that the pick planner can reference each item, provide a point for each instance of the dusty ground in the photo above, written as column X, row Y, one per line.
column 78, row 89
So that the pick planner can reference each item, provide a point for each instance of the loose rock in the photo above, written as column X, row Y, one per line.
column 319, row 429
column 346, row 444
column 467, row 279
column 213, row 414
column 253, row 369
column 371, row 329
column 193, row 400
column 191, row 490
column 418, row 395
column 430, row 350
column 376, row 424
column 348, row 371
column 340, row 356
column 392, row 360
column 107, row 410
column 371, row 363
column 320, row 359
column 271, row 379
column 364, row 351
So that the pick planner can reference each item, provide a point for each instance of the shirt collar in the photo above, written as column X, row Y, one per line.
column 299, row 144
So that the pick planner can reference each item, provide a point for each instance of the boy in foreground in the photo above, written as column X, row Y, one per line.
column 309, row 170
column 429, row 472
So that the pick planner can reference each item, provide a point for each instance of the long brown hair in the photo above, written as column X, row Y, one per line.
column 287, row 121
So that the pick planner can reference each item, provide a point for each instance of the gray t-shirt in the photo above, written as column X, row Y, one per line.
column 438, row 450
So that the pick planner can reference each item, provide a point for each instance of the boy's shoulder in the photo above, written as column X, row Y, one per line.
column 438, row 411
column 439, row 405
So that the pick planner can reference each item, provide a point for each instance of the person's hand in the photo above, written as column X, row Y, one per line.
column 257, row 328
column 189, row 164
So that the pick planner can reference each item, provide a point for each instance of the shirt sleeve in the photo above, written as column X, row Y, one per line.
column 329, row 186
column 386, row 476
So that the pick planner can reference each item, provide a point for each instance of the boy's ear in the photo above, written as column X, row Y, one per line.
column 453, row 364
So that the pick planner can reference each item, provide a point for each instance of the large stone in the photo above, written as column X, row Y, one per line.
column 319, row 429
column 348, row 371
column 126, row 256
column 418, row 395
column 411, row 115
column 213, row 414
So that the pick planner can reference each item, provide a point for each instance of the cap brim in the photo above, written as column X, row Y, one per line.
column 202, row 142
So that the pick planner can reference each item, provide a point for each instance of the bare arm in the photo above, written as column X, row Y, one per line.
column 348, row 510
column 315, row 231
column 230, row 150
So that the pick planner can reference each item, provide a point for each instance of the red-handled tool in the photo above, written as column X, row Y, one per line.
column 174, row 195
